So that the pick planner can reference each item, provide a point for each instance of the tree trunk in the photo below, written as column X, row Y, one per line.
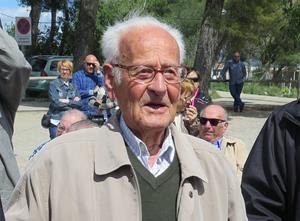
column 85, row 31
column 52, row 28
column 209, row 43
column 35, row 14
column 65, row 29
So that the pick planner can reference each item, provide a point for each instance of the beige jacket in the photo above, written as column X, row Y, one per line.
column 236, row 153
column 86, row 175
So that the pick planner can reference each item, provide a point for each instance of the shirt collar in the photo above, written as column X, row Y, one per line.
column 139, row 148
column 115, row 155
column 218, row 143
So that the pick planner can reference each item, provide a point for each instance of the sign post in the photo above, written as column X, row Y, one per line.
column 23, row 30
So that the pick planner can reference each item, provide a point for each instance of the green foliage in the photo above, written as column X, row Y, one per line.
column 269, row 89
column 267, row 29
column 185, row 17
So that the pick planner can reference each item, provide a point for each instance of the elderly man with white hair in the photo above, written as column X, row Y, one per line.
column 138, row 166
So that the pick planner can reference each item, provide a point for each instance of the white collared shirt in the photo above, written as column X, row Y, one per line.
column 139, row 149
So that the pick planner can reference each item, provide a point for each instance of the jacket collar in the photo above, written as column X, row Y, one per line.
column 114, row 155
column 292, row 112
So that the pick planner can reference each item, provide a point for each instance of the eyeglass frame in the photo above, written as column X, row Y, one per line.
column 213, row 121
column 90, row 63
column 126, row 67
column 61, row 127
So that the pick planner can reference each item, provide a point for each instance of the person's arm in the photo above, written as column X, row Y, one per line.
column 55, row 101
column 264, row 175
column 77, row 81
column 14, row 73
column 30, row 199
column 244, row 72
column 241, row 157
column 224, row 70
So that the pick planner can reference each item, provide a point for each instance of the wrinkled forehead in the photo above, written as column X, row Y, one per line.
column 140, row 40
column 90, row 59
column 214, row 111
column 192, row 75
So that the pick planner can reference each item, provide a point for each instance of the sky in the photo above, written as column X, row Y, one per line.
column 9, row 10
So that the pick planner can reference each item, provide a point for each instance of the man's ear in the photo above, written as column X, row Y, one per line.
column 109, row 81
column 225, row 126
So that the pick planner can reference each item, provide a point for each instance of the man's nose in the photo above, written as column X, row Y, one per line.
column 158, row 83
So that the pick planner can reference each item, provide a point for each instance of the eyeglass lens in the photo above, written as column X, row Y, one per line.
column 212, row 121
column 89, row 64
column 194, row 79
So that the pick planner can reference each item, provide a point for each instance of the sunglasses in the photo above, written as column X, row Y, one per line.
column 89, row 64
column 212, row 121
column 193, row 79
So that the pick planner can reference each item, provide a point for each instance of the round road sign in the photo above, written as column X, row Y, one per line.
column 23, row 26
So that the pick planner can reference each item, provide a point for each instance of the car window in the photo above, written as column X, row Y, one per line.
column 53, row 66
column 38, row 64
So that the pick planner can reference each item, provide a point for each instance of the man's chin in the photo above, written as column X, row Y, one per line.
column 208, row 137
column 156, row 122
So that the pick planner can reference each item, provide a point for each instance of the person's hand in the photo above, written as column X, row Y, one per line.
column 191, row 114
column 97, row 88
column 65, row 101
column 76, row 99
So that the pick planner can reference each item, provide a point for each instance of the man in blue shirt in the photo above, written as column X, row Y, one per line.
column 89, row 81
column 237, row 76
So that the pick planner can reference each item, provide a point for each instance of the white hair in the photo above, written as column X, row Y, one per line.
column 111, row 37
column 225, row 113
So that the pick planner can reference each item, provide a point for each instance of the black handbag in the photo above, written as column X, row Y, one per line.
column 45, row 122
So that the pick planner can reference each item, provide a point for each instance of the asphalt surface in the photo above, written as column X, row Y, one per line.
column 29, row 134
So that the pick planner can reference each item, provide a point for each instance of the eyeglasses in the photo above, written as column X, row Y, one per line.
column 61, row 127
column 65, row 69
column 194, row 79
column 212, row 121
column 90, row 64
column 145, row 74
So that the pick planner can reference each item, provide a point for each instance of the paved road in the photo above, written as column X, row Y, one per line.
column 246, row 126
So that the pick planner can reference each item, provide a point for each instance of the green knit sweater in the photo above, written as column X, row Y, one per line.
column 159, row 194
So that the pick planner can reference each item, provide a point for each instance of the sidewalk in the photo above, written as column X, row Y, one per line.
column 254, row 101
column 247, row 125
column 33, row 106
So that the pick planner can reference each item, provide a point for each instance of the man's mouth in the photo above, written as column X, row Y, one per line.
column 155, row 105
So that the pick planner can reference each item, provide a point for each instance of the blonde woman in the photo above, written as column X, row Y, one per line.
column 186, row 117
column 63, row 95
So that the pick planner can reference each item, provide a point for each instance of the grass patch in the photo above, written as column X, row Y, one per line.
column 259, row 89
column 214, row 95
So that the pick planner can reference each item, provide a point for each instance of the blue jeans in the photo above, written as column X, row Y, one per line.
column 52, row 131
column 235, row 91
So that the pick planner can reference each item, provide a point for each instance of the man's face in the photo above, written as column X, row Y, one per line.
column 150, row 106
column 90, row 63
column 236, row 56
column 210, row 132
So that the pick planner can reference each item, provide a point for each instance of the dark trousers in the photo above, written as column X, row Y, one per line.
column 52, row 131
column 235, row 91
